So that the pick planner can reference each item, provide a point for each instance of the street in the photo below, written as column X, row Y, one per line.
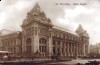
column 73, row 62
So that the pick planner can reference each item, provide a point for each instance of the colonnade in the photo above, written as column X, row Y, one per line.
column 69, row 49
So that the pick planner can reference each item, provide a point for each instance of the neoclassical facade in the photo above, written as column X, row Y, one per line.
column 40, row 36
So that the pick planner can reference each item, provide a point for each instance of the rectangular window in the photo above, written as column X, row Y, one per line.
column 40, row 48
column 44, row 48
column 28, row 49
column 54, row 50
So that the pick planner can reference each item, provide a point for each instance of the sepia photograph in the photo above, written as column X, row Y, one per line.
column 49, row 32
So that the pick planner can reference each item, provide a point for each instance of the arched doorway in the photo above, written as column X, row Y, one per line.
column 43, row 46
column 28, row 45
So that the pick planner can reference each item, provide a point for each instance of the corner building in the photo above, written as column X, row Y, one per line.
column 40, row 36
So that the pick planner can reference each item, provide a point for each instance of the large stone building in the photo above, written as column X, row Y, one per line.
column 40, row 36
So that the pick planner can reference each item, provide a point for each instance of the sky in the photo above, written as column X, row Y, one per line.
column 13, row 12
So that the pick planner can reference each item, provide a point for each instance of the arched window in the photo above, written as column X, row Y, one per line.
column 28, row 45
column 42, row 41
column 42, row 46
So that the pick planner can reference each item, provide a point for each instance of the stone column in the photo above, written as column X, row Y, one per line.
column 76, row 50
column 17, row 45
column 56, row 47
column 71, row 49
column 35, row 44
column 50, row 43
column 23, row 44
column 87, row 49
column 83, row 49
column 1, row 44
column 61, row 48
column 65, row 49
column 79, row 50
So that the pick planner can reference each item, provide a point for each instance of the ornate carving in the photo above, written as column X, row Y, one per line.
column 36, row 30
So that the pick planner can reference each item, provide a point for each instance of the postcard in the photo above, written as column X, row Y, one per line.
column 47, row 32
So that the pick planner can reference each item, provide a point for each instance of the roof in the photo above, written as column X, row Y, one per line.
column 36, row 9
column 80, row 29
column 6, row 32
column 35, row 13
column 66, row 30
column 4, row 52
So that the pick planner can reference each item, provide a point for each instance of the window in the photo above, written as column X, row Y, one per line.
column 42, row 45
column 54, row 43
column 28, row 45
column 28, row 48
column 54, row 51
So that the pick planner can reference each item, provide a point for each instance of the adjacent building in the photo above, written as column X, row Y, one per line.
column 40, row 36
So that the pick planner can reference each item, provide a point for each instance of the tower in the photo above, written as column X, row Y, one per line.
column 84, row 39
column 36, row 29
